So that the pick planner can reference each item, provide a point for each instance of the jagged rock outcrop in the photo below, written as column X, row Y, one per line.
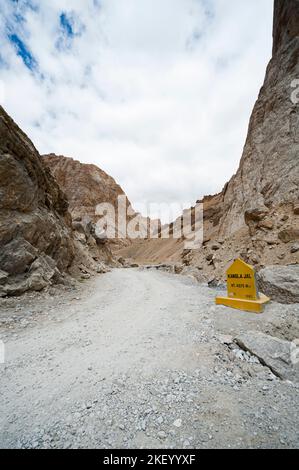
column 259, row 202
column 268, row 175
column 36, row 244
column 87, row 186
column 40, row 244
column 255, row 217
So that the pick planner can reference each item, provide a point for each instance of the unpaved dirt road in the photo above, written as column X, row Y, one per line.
column 135, row 359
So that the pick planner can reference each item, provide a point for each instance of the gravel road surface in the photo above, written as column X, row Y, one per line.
column 138, row 358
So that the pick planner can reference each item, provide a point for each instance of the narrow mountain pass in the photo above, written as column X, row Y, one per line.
column 138, row 358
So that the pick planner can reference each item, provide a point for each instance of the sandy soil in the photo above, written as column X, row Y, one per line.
column 136, row 358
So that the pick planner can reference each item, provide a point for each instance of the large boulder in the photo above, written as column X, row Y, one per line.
column 277, row 354
column 281, row 283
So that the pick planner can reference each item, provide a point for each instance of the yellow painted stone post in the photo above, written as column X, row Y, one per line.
column 242, row 292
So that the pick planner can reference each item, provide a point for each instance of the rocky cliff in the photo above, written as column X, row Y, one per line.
column 87, row 186
column 256, row 215
column 36, row 245
column 40, row 243
column 260, row 203
column 268, row 176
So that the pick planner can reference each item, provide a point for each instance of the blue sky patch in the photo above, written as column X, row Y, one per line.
column 71, row 25
column 70, row 28
column 19, row 18
column 23, row 52
column 66, row 24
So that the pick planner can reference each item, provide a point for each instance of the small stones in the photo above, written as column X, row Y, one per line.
column 177, row 423
column 160, row 420
column 143, row 425
column 134, row 407
column 296, row 209
column 295, row 248
column 245, row 356
column 215, row 247
column 85, row 276
column 268, row 224
column 225, row 339
column 289, row 235
column 214, row 283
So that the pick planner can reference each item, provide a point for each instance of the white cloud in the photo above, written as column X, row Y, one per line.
column 157, row 93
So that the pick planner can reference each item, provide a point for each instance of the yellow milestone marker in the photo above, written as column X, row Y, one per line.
column 242, row 291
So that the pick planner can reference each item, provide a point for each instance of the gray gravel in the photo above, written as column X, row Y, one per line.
column 136, row 359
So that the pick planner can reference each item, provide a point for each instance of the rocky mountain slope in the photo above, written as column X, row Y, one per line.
column 35, row 226
column 38, row 242
column 86, row 187
column 256, row 215
column 48, row 224
column 48, row 216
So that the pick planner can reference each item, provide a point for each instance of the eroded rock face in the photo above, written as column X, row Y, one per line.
column 35, row 226
column 256, row 216
column 268, row 175
column 86, row 187
column 259, row 203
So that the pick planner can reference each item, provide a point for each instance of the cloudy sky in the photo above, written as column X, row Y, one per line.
column 158, row 93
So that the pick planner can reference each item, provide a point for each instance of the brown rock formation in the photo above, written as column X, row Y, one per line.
column 86, row 186
column 35, row 225
column 268, row 175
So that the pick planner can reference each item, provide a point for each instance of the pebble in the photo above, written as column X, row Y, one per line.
column 177, row 423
